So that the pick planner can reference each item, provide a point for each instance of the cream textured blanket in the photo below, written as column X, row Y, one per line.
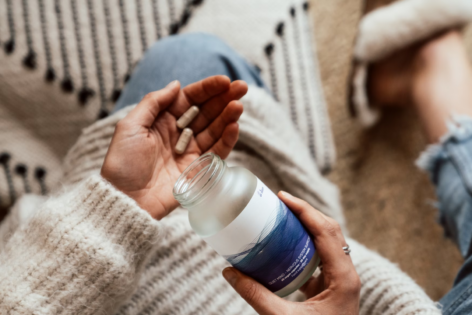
column 65, row 63
column 89, row 249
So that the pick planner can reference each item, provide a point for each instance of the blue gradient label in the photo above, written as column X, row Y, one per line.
column 266, row 241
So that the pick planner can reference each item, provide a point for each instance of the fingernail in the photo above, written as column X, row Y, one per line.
column 285, row 194
column 172, row 84
column 230, row 276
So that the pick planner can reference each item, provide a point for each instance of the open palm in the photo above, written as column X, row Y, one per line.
column 141, row 161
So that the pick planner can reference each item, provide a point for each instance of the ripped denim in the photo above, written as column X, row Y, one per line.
column 449, row 165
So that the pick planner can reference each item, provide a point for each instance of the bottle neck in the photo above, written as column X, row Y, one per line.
column 198, row 179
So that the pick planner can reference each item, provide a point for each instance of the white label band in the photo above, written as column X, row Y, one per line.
column 266, row 241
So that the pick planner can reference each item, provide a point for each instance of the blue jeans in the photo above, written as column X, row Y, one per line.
column 188, row 58
column 449, row 165
column 192, row 57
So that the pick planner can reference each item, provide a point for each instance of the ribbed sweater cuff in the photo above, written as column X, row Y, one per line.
column 82, row 252
column 118, row 216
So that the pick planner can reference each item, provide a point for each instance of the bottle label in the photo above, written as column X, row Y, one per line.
column 266, row 241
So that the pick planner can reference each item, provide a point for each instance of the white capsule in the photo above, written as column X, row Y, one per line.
column 183, row 141
column 187, row 117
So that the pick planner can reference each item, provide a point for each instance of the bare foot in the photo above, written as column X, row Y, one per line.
column 390, row 80
column 435, row 77
column 393, row 81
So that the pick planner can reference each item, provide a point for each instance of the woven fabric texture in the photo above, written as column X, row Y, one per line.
column 64, row 64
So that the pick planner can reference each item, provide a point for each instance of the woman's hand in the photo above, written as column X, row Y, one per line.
column 141, row 161
column 334, row 292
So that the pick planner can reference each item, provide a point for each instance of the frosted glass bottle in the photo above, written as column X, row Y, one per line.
column 246, row 223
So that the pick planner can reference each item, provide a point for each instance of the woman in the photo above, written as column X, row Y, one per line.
column 84, row 250
column 88, row 248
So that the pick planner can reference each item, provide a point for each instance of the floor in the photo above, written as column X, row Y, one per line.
column 388, row 202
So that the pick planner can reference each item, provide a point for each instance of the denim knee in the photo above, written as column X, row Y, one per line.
column 193, row 56
column 190, row 46
column 449, row 164
column 188, row 58
column 455, row 207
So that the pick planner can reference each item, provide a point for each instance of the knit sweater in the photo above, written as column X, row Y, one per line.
column 89, row 249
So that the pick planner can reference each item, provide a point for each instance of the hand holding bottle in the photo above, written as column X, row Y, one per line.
column 336, row 291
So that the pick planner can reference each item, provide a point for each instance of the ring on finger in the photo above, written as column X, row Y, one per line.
column 347, row 249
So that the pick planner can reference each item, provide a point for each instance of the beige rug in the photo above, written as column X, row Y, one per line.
column 386, row 199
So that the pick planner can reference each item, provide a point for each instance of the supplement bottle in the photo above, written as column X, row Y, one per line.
column 246, row 223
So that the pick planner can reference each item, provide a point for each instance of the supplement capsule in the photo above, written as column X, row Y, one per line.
column 187, row 117
column 183, row 141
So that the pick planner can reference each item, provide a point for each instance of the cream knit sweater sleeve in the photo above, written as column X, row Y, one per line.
column 81, row 253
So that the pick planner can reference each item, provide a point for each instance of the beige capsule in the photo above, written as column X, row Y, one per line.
column 183, row 141
column 187, row 117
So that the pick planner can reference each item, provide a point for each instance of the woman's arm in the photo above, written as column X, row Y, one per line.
column 79, row 254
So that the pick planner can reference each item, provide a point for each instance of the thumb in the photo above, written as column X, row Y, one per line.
column 152, row 104
column 255, row 294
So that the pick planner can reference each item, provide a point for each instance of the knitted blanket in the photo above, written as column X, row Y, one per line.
column 64, row 64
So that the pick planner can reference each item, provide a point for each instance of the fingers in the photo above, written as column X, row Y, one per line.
column 255, row 294
column 152, row 104
column 214, row 93
column 212, row 134
column 215, row 106
column 328, row 239
column 227, row 141
column 199, row 92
